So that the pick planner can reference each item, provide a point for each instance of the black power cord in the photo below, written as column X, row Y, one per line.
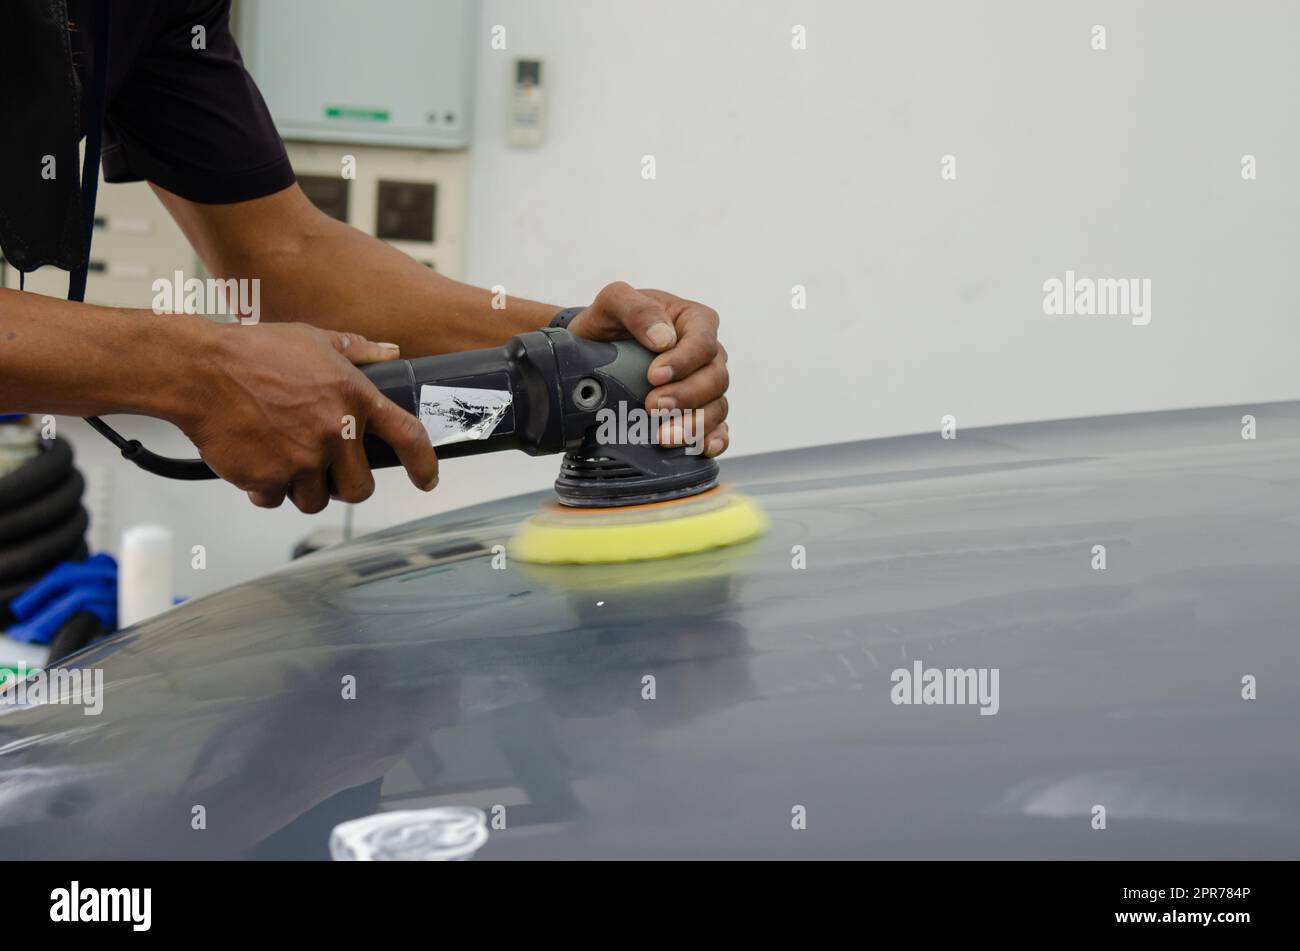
column 134, row 451
column 131, row 448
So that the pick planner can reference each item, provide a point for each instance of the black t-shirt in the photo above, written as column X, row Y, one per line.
column 188, row 119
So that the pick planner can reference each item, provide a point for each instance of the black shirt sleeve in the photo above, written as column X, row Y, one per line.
column 191, row 120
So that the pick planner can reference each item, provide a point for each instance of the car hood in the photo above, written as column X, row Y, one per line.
column 742, row 702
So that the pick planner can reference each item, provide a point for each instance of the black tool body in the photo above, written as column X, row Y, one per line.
column 557, row 384
column 560, row 387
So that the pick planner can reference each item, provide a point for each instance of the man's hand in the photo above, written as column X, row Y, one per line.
column 690, row 371
column 285, row 412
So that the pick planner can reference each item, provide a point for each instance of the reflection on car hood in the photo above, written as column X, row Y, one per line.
column 712, row 705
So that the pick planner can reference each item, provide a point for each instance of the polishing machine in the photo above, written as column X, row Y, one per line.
column 543, row 392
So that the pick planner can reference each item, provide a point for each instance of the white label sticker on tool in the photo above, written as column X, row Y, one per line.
column 453, row 414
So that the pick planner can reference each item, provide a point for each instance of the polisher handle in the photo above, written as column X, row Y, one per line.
column 556, row 384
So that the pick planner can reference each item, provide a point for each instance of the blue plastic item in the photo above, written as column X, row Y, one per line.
column 68, row 589
column 99, row 600
column 97, row 569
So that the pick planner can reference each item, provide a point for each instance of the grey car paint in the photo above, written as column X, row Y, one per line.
column 522, row 692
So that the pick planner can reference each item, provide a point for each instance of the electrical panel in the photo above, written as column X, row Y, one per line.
column 400, row 72
column 405, row 211
column 414, row 199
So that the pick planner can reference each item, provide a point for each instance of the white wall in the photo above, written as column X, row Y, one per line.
column 821, row 167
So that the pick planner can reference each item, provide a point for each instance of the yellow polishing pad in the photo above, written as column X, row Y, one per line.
column 571, row 536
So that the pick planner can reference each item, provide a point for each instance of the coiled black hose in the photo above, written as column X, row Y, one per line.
column 39, row 554
column 37, row 475
column 42, row 520
column 39, row 513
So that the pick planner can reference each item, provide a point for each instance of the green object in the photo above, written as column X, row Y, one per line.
column 357, row 113
column 8, row 674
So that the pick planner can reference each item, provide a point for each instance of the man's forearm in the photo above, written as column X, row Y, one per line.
column 343, row 279
column 63, row 357
column 323, row 272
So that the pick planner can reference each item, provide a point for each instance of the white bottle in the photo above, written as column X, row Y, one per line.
column 144, row 574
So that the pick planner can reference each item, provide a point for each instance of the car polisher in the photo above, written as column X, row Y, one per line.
column 548, row 392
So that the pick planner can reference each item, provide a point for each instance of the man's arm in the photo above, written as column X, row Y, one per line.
column 58, row 356
column 264, row 405
column 326, row 273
